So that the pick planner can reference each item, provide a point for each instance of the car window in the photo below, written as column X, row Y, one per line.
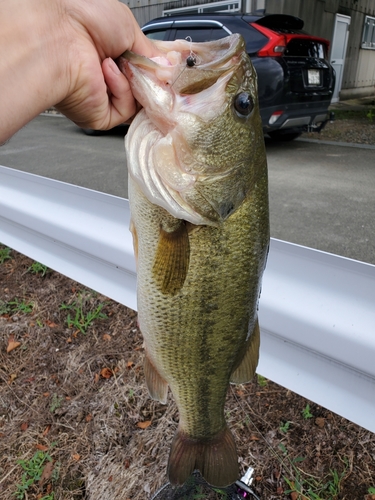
column 200, row 34
column 156, row 34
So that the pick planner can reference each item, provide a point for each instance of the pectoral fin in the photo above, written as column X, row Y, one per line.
column 156, row 385
column 246, row 369
column 172, row 259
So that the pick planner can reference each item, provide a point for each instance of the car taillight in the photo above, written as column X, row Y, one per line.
column 275, row 116
column 276, row 43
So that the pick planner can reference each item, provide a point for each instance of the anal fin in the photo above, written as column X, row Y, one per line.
column 172, row 259
column 246, row 369
column 215, row 458
column 156, row 385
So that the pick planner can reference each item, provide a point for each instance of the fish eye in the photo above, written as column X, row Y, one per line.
column 243, row 104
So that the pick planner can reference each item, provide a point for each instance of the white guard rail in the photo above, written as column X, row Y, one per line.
column 317, row 312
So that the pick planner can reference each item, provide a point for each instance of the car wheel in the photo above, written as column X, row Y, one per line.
column 90, row 131
column 277, row 135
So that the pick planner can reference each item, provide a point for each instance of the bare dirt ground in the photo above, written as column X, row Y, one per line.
column 76, row 421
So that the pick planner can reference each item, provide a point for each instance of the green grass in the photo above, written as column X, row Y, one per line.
column 327, row 489
column 55, row 403
column 306, row 412
column 353, row 114
column 308, row 486
column 284, row 427
column 33, row 470
column 262, row 381
column 16, row 306
column 5, row 254
column 38, row 268
column 79, row 317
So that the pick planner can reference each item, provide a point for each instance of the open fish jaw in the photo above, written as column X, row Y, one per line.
column 173, row 169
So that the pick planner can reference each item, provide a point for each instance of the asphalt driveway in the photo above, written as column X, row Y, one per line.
column 321, row 194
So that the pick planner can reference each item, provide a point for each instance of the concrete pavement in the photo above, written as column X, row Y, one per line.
column 321, row 195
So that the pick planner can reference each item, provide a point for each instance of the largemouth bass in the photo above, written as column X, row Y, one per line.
column 199, row 207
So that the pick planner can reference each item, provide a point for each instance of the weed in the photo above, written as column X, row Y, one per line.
column 262, row 381
column 283, row 449
column 306, row 412
column 310, row 488
column 15, row 306
column 33, row 470
column 284, row 427
column 21, row 306
column 4, row 254
column 55, row 403
column 4, row 307
column 371, row 490
column 198, row 495
column 370, row 115
column 352, row 114
column 223, row 494
column 81, row 320
column 38, row 268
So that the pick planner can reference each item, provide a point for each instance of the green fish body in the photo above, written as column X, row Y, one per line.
column 199, row 205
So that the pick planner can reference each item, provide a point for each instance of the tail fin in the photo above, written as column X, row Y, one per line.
column 215, row 458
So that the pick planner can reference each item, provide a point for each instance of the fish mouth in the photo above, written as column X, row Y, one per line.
column 188, row 66
column 182, row 98
column 206, row 55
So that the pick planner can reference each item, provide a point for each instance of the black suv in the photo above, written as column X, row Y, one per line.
column 295, row 80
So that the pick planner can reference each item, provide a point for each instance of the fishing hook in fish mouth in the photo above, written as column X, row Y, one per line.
column 191, row 61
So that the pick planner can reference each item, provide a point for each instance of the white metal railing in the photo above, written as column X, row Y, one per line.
column 317, row 311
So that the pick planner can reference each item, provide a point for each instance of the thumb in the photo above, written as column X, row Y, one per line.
column 122, row 104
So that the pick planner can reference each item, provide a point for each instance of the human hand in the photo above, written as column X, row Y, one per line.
column 99, row 95
column 61, row 52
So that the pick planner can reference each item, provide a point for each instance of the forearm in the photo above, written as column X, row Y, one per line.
column 30, row 79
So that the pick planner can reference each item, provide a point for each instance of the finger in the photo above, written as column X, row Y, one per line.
column 116, row 18
column 122, row 105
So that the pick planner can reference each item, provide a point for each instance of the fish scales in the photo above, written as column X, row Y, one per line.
column 199, row 206
column 203, row 346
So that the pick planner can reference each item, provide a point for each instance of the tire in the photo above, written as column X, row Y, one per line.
column 120, row 130
column 277, row 135
column 90, row 131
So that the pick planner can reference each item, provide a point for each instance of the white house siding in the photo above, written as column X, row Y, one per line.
column 319, row 16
